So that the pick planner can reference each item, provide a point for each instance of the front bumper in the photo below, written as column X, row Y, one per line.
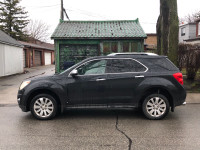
column 21, row 101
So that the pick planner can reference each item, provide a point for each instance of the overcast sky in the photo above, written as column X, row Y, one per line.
column 146, row 10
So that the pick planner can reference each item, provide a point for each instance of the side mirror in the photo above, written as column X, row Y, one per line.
column 74, row 73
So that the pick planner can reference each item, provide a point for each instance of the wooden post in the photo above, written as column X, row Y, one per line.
column 33, row 57
column 43, row 58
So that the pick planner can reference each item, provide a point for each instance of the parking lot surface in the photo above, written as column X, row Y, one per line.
column 100, row 129
column 9, row 85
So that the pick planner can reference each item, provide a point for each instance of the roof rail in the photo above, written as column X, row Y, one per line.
column 132, row 53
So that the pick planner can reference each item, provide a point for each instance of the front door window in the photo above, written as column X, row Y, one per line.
column 92, row 68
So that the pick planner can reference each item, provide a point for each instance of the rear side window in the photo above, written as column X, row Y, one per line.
column 124, row 65
column 159, row 64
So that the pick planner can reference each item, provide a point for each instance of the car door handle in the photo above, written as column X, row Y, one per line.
column 100, row 79
column 139, row 76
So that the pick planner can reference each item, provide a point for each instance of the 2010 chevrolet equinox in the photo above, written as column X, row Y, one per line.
column 122, row 80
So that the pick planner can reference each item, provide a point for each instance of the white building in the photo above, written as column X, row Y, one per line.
column 11, row 55
column 186, row 32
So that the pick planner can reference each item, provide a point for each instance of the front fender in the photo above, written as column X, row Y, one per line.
column 46, row 85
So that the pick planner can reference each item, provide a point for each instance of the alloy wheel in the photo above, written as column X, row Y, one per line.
column 156, row 107
column 43, row 107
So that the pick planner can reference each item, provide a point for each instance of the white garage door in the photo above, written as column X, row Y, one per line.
column 47, row 58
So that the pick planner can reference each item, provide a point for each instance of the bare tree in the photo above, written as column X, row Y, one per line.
column 38, row 30
column 190, row 18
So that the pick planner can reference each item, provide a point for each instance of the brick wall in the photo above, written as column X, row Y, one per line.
column 151, row 41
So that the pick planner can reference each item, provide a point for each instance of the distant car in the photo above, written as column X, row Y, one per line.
column 124, row 80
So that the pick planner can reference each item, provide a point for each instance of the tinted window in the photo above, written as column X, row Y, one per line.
column 92, row 67
column 159, row 64
column 124, row 65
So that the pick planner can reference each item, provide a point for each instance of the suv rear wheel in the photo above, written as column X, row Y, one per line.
column 43, row 107
column 155, row 106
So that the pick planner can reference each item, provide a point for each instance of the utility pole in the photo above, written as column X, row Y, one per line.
column 61, row 11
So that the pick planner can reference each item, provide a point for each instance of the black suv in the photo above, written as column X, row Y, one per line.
column 123, row 80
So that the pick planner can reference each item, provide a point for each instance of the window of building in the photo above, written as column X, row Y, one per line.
column 106, row 48
column 182, row 31
column 199, row 29
column 110, row 47
column 114, row 47
column 125, row 46
column 134, row 47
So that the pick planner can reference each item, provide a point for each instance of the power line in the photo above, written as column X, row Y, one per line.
column 44, row 6
column 147, row 23
column 66, row 14
column 90, row 14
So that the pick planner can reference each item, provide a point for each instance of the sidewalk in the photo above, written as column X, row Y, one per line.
column 193, row 98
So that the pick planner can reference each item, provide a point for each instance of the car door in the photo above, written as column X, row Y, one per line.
column 124, row 75
column 90, row 84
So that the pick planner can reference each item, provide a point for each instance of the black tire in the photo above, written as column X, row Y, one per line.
column 43, row 111
column 155, row 106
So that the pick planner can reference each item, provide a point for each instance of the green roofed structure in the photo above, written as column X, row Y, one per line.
column 77, row 40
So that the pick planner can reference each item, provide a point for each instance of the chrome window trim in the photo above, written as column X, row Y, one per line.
column 69, row 75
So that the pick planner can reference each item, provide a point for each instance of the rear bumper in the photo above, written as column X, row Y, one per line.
column 180, row 98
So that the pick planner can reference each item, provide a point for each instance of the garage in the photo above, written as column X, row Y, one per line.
column 47, row 57
column 37, row 54
column 38, row 58
column 11, row 55
column 72, row 54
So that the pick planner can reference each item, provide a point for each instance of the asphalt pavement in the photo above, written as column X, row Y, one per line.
column 100, row 129
column 9, row 85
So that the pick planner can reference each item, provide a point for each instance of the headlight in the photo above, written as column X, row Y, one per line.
column 24, row 84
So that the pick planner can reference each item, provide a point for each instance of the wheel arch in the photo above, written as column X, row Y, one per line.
column 157, row 90
column 43, row 91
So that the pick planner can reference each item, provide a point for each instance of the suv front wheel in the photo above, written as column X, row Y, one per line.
column 155, row 106
column 43, row 107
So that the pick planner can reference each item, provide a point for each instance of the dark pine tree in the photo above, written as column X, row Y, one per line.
column 13, row 19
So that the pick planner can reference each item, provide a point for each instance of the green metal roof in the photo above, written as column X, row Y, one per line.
column 99, row 30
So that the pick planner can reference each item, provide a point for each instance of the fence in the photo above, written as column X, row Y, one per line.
column 189, row 58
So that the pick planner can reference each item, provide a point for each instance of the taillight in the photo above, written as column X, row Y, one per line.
column 179, row 77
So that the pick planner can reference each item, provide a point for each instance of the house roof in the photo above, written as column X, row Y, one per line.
column 99, row 30
column 187, row 24
column 151, row 34
column 6, row 39
column 46, row 46
column 194, row 39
